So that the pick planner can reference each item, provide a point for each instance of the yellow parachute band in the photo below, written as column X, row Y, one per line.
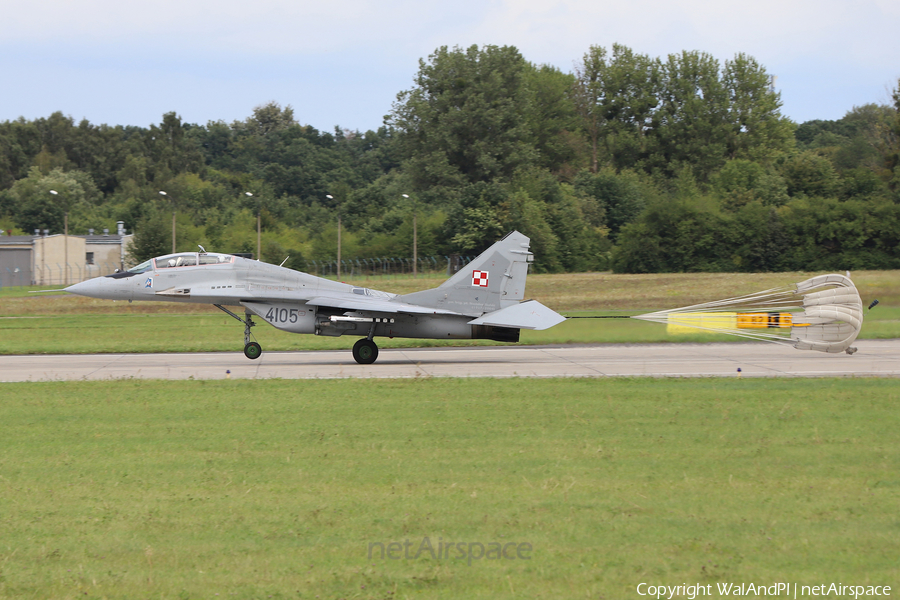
column 683, row 323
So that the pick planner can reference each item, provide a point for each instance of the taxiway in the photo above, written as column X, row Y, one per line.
column 875, row 358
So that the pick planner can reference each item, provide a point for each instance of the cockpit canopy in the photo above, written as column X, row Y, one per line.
column 192, row 259
column 184, row 259
column 141, row 268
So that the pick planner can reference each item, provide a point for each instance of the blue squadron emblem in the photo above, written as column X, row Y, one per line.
column 149, row 283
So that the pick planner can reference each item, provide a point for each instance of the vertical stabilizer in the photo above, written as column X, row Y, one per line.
column 494, row 280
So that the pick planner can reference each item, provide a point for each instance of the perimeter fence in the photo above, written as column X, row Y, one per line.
column 58, row 274
column 383, row 266
column 53, row 274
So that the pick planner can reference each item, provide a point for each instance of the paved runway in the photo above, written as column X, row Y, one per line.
column 879, row 358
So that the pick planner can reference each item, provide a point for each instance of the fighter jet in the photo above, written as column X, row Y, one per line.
column 484, row 300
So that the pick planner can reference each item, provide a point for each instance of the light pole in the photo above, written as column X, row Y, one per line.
column 415, row 241
column 43, row 252
column 258, row 227
column 330, row 197
column 65, row 239
column 162, row 193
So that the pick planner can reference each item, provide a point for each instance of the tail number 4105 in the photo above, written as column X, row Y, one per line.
column 284, row 315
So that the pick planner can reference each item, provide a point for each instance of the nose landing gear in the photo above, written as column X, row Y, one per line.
column 252, row 350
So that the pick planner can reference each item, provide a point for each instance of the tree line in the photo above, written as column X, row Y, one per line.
column 629, row 162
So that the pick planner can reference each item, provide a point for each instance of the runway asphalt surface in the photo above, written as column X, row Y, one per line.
column 875, row 358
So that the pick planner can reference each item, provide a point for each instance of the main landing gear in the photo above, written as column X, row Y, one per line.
column 365, row 351
column 252, row 350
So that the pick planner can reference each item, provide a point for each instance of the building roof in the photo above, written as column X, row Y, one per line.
column 28, row 240
column 112, row 238
column 16, row 240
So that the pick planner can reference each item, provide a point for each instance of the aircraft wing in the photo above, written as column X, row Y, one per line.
column 364, row 303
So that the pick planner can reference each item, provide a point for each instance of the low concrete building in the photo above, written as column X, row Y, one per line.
column 16, row 260
column 59, row 259
column 103, row 254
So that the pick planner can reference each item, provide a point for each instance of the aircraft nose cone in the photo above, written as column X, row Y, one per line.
column 92, row 288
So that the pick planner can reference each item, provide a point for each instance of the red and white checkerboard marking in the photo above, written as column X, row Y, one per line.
column 480, row 278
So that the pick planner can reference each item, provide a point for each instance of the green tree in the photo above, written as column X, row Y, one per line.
column 551, row 212
column 757, row 239
column 171, row 151
column 691, row 126
column 615, row 97
column 809, row 174
column 152, row 237
column 688, row 110
column 827, row 233
column 466, row 119
column 12, row 158
column 889, row 144
column 758, row 131
column 742, row 181
column 37, row 208
column 266, row 119
column 19, row 143
column 851, row 142
column 477, row 221
column 675, row 235
column 619, row 196
column 552, row 120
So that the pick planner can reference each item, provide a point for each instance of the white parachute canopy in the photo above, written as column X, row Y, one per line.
column 823, row 313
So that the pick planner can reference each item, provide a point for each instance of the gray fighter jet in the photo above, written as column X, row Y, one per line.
column 484, row 300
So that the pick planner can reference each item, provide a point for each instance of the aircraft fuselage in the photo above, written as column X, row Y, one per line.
column 275, row 294
column 482, row 301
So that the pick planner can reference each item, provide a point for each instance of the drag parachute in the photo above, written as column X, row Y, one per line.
column 824, row 313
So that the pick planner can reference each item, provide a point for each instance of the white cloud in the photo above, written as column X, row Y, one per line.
column 264, row 26
column 558, row 31
column 828, row 53
column 769, row 28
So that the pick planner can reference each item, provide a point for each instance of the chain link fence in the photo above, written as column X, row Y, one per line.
column 375, row 267
column 53, row 274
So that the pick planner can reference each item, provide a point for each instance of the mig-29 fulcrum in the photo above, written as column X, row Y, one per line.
column 484, row 300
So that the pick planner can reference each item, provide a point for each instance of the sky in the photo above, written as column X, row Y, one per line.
column 342, row 62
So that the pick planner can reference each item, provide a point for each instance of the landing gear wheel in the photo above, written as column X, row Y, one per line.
column 252, row 350
column 365, row 351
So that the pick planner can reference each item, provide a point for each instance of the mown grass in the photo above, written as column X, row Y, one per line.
column 70, row 324
column 258, row 489
column 206, row 332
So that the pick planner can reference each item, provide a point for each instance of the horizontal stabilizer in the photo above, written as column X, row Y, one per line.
column 527, row 315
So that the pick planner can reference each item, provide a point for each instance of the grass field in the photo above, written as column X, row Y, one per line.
column 34, row 323
column 274, row 489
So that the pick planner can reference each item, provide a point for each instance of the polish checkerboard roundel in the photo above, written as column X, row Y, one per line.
column 480, row 278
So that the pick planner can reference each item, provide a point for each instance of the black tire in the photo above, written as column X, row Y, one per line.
column 365, row 351
column 252, row 351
